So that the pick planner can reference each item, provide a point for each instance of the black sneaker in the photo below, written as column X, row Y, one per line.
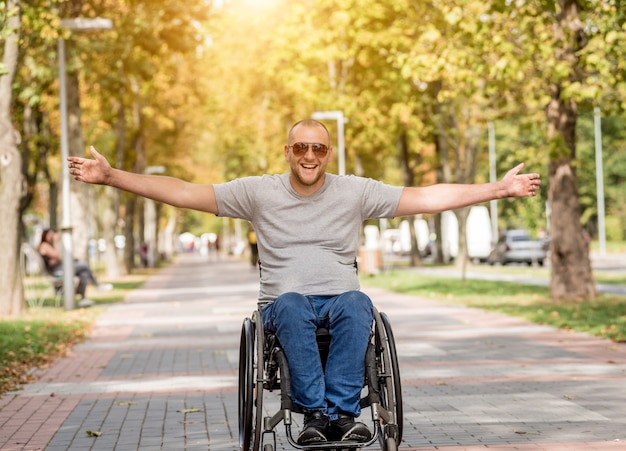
column 346, row 429
column 315, row 429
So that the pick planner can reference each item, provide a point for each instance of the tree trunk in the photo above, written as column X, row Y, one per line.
column 571, row 275
column 11, row 179
column 129, row 224
column 111, row 207
column 462, row 258
column 107, row 214
column 438, row 258
column 408, row 167
column 467, row 151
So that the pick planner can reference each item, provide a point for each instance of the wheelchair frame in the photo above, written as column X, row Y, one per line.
column 263, row 367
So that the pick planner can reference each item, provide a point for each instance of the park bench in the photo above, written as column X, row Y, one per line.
column 38, row 283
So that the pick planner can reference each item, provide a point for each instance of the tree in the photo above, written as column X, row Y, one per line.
column 550, row 40
column 452, row 58
column 141, row 97
column 571, row 275
column 11, row 179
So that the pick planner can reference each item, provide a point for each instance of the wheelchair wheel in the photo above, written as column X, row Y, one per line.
column 251, row 383
column 390, row 385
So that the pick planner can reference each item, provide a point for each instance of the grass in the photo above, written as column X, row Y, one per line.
column 540, row 273
column 604, row 316
column 44, row 334
column 37, row 339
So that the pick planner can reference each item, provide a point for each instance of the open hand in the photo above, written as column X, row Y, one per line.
column 87, row 170
column 520, row 185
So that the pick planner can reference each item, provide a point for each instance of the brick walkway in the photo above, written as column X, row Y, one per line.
column 159, row 372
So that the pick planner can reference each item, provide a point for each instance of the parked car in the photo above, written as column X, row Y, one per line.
column 517, row 246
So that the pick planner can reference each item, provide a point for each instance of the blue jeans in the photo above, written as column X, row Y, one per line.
column 294, row 319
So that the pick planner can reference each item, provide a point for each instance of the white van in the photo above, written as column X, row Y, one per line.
column 478, row 234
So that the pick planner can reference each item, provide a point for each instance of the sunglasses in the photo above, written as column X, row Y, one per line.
column 299, row 149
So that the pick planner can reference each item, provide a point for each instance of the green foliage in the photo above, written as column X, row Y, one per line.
column 199, row 223
column 615, row 229
column 518, row 139
column 209, row 89
column 35, row 94
column 613, row 168
column 522, row 139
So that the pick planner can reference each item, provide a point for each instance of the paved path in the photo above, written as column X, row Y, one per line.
column 159, row 373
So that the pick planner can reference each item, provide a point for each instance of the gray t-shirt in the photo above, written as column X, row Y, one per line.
column 307, row 244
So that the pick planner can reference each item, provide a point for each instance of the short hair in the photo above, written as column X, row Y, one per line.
column 308, row 122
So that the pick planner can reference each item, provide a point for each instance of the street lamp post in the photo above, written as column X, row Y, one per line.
column 341, row 120
column 150, row 220
column 599, row 180
column 66, row 218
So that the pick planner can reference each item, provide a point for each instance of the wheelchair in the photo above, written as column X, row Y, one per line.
column 263, row 368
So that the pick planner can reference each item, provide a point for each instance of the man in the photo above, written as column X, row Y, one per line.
column 307, row 223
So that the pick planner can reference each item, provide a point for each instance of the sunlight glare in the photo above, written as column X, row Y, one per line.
column 259, row 3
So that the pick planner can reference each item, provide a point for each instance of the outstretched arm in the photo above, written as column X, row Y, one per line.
column 446, row 196
column 165, row 189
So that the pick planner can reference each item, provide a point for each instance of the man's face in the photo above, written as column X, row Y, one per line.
column 308, row 168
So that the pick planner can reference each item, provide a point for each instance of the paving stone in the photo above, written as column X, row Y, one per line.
column 159, row 372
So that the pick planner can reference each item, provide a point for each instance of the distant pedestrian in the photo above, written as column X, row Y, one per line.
column 143, row 254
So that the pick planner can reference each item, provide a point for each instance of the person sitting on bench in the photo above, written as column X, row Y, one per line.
column 48, row 248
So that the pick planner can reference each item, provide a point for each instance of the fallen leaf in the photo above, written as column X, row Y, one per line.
column 190, row 410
